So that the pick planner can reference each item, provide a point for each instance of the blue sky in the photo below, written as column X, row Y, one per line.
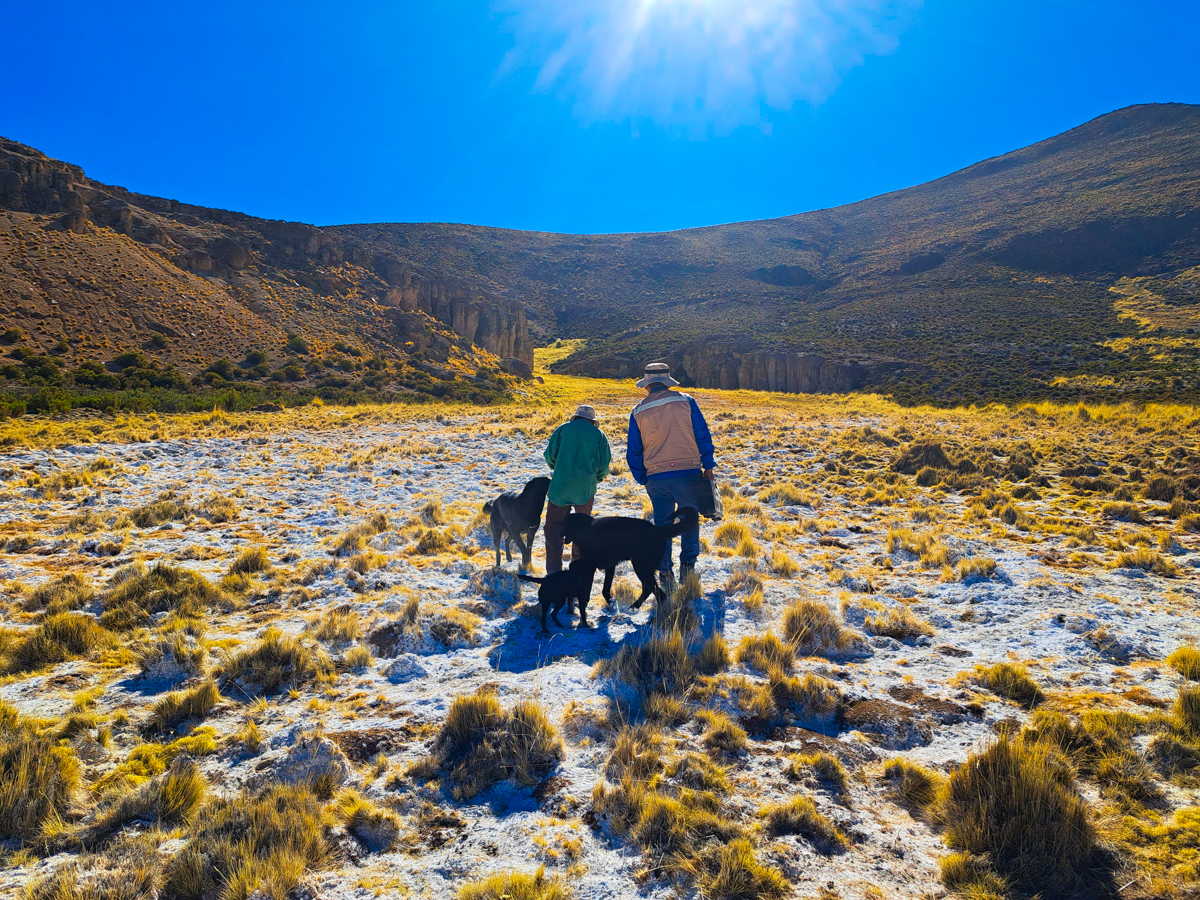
column 568, row 115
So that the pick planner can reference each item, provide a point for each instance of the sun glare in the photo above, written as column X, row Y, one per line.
column 697, row 62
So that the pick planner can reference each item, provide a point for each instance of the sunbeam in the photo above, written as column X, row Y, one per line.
column 714, row 63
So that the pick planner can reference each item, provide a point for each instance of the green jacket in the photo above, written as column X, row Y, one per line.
column 579, row 456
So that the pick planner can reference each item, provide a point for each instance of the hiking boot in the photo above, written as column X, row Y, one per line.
column 666, row 581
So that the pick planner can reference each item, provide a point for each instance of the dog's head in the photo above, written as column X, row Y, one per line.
column 487, row 507
column 574, row 525
column 537, row 487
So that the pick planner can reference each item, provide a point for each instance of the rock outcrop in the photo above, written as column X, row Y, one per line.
column 731, row 365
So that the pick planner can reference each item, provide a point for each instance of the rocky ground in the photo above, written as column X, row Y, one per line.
column 930, row 568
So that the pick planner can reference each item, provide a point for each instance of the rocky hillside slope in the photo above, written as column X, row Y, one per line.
column 89, row 272
column 1064, row 269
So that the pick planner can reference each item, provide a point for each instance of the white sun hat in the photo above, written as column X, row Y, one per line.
column 659, row 372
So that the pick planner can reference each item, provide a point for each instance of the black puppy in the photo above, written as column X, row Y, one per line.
column 516, row 516
column 558, row 588
column 609, row 540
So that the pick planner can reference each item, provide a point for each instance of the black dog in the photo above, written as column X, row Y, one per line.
column 558, row 588
column 516, row 515
column 609, row 540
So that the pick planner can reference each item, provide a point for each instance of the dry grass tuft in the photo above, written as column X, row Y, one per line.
column 250, row 561
column 178, row 707
column 37, row 778
column 899, row 623
column 58, row 638
column 1186, row 661
column 911, row 785
column 517, row 886
column 1015, row 803
column 481, row 743
column 766, row 653
column 135, row 594
column 824, row 767
column 813, row 629
column 800, row 816
column 64, row 594
column 274, row 661
column 1147, row 560
column 251, row 842
column 1012, row 682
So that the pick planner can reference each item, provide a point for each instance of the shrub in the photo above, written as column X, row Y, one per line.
column 37, row 778
column 1010, row 682
column 1015, row 803
column 247, row 842
column 800, row 816
column 813, row 628
column 517, row 886
column 1186, row 661
column 274, row 661
column 480, row 743
column 58, row 638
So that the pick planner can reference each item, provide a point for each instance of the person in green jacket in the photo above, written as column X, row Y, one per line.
column 579, row 456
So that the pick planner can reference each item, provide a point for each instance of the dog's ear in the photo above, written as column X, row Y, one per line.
column 487, row 507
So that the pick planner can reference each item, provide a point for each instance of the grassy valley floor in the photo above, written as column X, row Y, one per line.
column 269, row 652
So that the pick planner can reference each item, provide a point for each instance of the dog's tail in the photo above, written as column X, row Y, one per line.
column 532, row 578
column 684, row 519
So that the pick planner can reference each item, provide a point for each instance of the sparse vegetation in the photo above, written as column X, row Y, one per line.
column 1012, row 682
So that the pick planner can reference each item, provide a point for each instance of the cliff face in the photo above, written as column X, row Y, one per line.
column 244, row 282
column 732, row 365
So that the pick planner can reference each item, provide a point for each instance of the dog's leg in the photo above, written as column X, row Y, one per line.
column 645, row 575
column 526, row 553
column 608, row 580
column 559, row 603
column 529, row 545
column 542, row 602
column 584, row 589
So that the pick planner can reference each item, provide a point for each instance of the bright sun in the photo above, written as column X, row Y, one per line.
column 688, row 62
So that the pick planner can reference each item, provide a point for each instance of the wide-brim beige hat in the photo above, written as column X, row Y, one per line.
column 657, row 372
column 586, row 412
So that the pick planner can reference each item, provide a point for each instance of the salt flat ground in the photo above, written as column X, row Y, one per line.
column 1038, row 581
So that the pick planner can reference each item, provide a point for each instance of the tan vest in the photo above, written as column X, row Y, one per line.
column 664, row 420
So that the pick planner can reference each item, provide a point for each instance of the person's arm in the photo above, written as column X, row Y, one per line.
column 703, row 437
column 605, row 458
column 551, row 454
column 633, row 452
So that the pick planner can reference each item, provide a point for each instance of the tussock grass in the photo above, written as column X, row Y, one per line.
column 899, row 623
column 250, row 561
column 178, row 707
column 970, row 876
column 721, row 733
column 731, row 533
column 167, row 507
column 170, row 799
column 517, row 886
column 660, row 664
column 355, row 540
column 480, row 743
column 338, row 626
column 780, row 564
column 364, row 562
column 826, row 768
column 37, row 778
column 375, row 828
column 911, row 785
column 1123, row 512
column 713, row 656
column 810, row 698
column 63, row 594
column 733, row 870
column 432, row 541
column 58, row 638
column 743, row 579
column 972, row 567
column 357, row 657
column 800, row 816
column 1147, row 560
column 274, row 661
column 250, row 842
column 134, row 594
column 1186, row 661
column 699, row 773
column 766, row 652
column 813, row 629
column 1015, row 803
column 189, row 657
column 1012, row 682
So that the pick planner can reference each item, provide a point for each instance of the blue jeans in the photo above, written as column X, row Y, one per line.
column 666, row 495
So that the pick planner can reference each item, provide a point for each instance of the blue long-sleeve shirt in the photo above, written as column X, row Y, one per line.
column 634, row 454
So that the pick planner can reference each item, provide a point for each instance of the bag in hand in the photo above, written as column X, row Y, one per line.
column 708, row 499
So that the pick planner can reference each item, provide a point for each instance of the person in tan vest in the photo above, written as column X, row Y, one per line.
column 668, row 450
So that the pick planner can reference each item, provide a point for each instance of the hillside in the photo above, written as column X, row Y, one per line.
column 1064, row 269
column 106, row 290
